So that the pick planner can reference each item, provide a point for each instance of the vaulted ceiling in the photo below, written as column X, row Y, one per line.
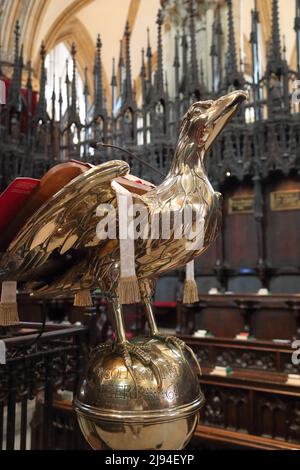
column 56, row 21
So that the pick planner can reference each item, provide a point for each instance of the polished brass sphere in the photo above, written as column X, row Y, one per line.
column 135, row 410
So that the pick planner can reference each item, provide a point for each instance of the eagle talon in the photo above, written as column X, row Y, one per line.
column 178, row 343
column 126, row 350
column 102, row 347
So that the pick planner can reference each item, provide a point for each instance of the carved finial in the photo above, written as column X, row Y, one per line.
column 184, row 50
column 128, row 93
column 297, row 30
column 43, row 72
column 98, row 84
column 231, row 50
column 54, row 87
column 53, row 98
column 113, row 84
column 160, row 68
column 17, row 41
column 14, row 94
column 60, row 99
column 283, row 47
column 86, row 90
column 166, row 83
column 201, row 72
column 149, row 56
column 41, row 109
column 121, row 58
column 29, row 100
column 194, row 62
column 43, row 52
column 276, row 43
column 297, row 9
column 143, row 75
column 29, row 77
column 254, row 27
column 241, row 62
column 67, row 79
column 143, row 67
column 176, row 62
column 74, row 88
column 176, row 65
column 113, row 75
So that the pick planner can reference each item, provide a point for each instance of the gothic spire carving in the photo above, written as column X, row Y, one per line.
column 29, row 98
column 255, row 45
column 67, row 83
column 121, row 68
column 149, row 57
column 176, row 65
column 29, row 77
column 41, row 109
column 60, row 99
column 74, row 86
column 233, row 76
column 128, row 92
column 17, row 42
column 159, row 75
column 53, row 99
column 274, row 62
column 113, row 85
column 86, row 89
column 184, row 53
column 167, row 84
column 98, row 83
column 143, row 76
column 256, row 59
column 216, row 51
column 231, row 50
column 86, row 93
column 194, row 62
column 276, row 41
column 14, row 96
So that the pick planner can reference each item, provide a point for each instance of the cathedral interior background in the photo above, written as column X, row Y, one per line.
column 95, row 81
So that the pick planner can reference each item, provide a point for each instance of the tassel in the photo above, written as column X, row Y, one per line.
column 190, row 290
column 8, row 306
column 83, row 298
column 128, row 288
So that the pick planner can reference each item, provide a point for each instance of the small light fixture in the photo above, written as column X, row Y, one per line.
column 228, row 173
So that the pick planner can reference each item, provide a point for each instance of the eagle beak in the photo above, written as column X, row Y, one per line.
column 221, row 111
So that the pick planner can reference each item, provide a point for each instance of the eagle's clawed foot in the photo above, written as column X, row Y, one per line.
column 178, row 343
column 102, row 347
column 128, row 350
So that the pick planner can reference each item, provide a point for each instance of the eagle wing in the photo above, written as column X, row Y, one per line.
column 68, row 221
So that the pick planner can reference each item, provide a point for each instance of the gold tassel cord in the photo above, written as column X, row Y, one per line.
column 9, row 314
column 190, row 292
column 8, row 306
column 83, row 298
column 128, row 290
column 128, row 287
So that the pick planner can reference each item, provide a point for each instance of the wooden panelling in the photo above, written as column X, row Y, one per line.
column 240, row 237
column 264, row 316
column 282, row 228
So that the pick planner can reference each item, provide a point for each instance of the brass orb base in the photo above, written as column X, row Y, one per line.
column 129, row 409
